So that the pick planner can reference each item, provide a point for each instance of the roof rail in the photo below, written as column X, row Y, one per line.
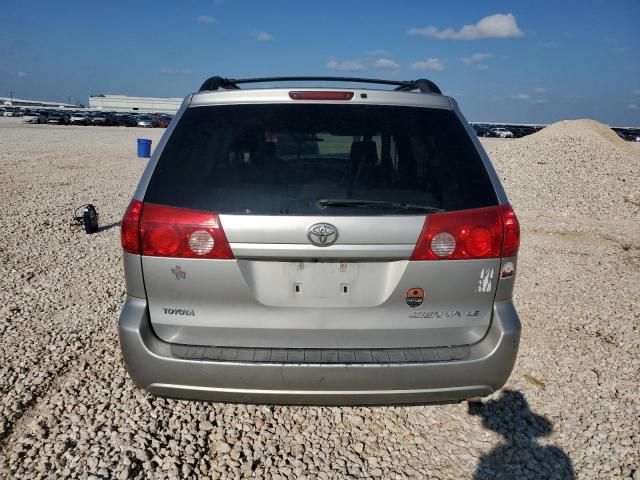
column 424, row 85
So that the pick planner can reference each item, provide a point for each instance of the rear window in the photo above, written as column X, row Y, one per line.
column 283, row 159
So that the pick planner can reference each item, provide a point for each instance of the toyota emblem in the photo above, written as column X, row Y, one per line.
column 322, row 234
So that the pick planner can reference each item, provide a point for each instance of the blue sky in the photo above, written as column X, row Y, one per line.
column 535, row 61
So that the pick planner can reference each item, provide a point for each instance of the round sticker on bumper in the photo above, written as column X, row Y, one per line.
column 415, row 297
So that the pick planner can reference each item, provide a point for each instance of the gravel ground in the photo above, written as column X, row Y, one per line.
column 68, row 408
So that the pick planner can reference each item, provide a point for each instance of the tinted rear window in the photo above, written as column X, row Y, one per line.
column 284, row 158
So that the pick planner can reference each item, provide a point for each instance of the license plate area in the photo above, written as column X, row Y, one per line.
column 321, row 284
column 321, row 279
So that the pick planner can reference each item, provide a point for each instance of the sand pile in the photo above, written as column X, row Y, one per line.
column 585, row 129
column 571, row 168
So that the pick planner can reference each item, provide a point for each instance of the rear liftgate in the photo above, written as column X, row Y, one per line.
column 364, row 288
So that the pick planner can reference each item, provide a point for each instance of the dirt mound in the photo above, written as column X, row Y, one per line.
column 572, row 168
column 584, row 128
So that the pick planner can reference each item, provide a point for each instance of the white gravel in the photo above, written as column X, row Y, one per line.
column 573, row 168
column 68, row 408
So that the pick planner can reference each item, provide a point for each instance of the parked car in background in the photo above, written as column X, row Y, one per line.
column 43, row 116
column 9, row 113
column 501, row 132
column 31, row 117
column 125, row 120
column 103, row 119
column 518, row 132
column 58, row 118
column 148, row 121
column 527, row 130
column 80, row 118
column 628, row 134
column 164, row 120
column 482, row 131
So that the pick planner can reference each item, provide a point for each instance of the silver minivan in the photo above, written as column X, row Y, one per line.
column 319, row 246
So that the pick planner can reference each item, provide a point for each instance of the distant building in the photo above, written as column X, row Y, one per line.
column 21, row 102
column 123, row 103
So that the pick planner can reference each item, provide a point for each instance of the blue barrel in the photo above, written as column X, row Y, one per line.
column 144, row 148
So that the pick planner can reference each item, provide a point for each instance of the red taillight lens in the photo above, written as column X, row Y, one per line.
column 511, row 241
column 177, row 232
column 479, row 242
column 466, row 234
column 129, row 227
column 320, row 95
column 163, row 240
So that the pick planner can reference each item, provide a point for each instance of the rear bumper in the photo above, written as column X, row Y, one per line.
column 152, row 366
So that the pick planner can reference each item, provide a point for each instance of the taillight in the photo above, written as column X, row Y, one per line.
column 160, row 231
column 511, row 241
column 176, row 232
column 489, row 232
column 129, row 227
column 321, row 95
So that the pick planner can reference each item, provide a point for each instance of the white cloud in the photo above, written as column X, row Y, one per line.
column 21, row 74
column 377, row 53
column 633, row 106
column 206, row 19
column 385, row 64
column 475, row 58
column 637, row 92
column 540, row 90
column 262, row 36
column 525, row 97
column 433, row 64
column 176, row 71
column 347, row 66
column 493, row 26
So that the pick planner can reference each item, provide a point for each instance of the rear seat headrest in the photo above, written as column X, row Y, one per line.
column 365, row 152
